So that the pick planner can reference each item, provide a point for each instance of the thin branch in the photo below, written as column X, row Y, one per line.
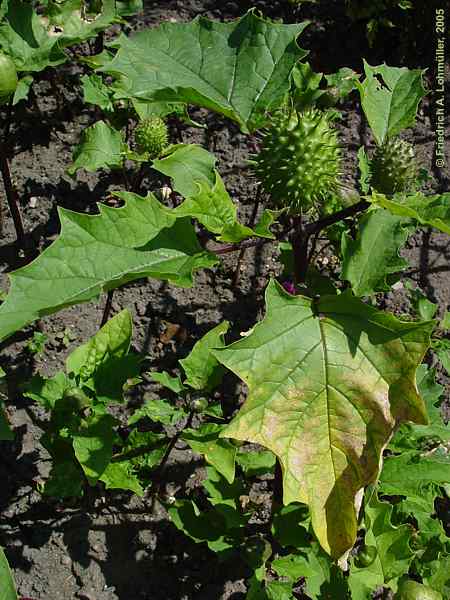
column 351, row 211
column 251, row 243
column 10, row 190
column 154, row 490
column 300, row 239
column 107, row 309
column 136, row 452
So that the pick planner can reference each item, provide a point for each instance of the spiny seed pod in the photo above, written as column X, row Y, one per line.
column 8, row 78
column 199, row 405
column 151, row 136
column 394, row 167
column 299, row 161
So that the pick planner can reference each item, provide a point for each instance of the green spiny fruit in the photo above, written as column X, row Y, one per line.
column 151, row 136
column 299, row 161
column 394, row 167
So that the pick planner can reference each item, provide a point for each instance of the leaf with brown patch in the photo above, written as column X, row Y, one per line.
column 324, row 396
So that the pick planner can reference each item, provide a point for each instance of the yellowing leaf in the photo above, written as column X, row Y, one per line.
column 328, row 381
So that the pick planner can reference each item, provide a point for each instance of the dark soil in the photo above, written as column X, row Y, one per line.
column 113, row 547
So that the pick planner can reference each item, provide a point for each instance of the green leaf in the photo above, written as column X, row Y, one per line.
column 101, row 252
column 103, row 363
column 293, row 566
column 217, row 452
column 431, row 392
column 439, row 580
column 188, row 165
column 207, row 200
column 101, row 147
column 154, row 444
column 66, row 480
column 390, row 97
column 24, row 36
column 74, row 26
column 408, row 473
column 256, row 462
column 220, row 491
column 120, row 476
column 279, row 590
column 422, row 510
column 313, row 564
column 213, row 208
column 159, row 411
column 420, row 303
column 145, row 109
column 202, row 369
column 201, row 526
column 127, row 8
column 328, row 382
column 96, row 92
column 306, row 82
column 290, row 526
column 93, row 445
column 111, row 341
column 7, row 587
column 374, row 255
column 394, row 554
column 412, row 436
column 445, row 323
column 23, row 89
column 442, row 350
column 433, row 211
column 240, row 69
column 47, row 392
column 343, row 82
column 172, row 383
column 364, row 170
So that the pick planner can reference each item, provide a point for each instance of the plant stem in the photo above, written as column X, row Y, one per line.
column 154, row 490
column 309, row 230
column 300, row 241
column 226, row 248
column 10, row 191
column 351, row 211
column 99, row 43
column 107, row 309
column 136, row 452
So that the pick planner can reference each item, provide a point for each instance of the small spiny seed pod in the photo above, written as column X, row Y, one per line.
column 394, row 167
column 299, row 160
column 199, row 405
column 8, row 78
column 151, row 136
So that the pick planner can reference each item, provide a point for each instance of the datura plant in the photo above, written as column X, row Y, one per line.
column 341, row 416
column 299, row 160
